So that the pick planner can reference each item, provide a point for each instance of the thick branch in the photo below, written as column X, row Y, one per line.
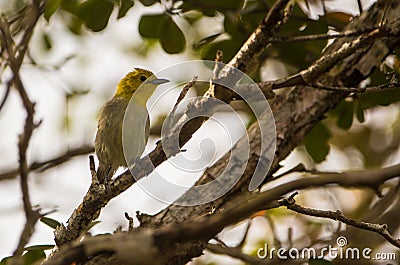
column 311, row 75
column 296, row 112
column 204, row 228
column 96, row 197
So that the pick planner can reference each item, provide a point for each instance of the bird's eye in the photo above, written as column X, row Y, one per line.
column 142, row 78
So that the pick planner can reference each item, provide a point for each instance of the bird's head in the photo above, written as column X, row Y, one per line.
column 145, row 79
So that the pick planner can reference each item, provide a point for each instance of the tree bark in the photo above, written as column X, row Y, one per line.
column 296, row 111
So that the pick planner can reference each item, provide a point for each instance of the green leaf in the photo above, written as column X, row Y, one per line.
column 50, row 222
column 378, row 77
column 150, row 25
column 96, row 13
column 75, row 25
column 378, row 98
column 47, row 42
column 205, row 41
column 50, row 7
column 316, row 142
column 229, row 47
column 235, row 27
column 163, row 27
column 227, row 5
column 172, row 39
column 33, row 256
column 39, row 247
column 148, row 2
column 70, row 6
column 382, row 98
column 345, row 119
column 344, row 112
column 222, row 5
column 210, row 8
column 360, row 113
column 254, row 12
column 192, row 16
column 293, row 54
column 124, row 7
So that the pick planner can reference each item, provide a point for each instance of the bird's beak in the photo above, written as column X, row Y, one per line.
column 159, row 81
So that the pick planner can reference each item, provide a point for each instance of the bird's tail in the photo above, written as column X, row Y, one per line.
column 104, row 173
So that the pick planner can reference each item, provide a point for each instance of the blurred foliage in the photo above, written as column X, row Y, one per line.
column 178, row 27
column 316, row 142
column 239, row 19
column 163, row 28
column 354, row 107
column 171, row 27
column 33, row 255
column 50, row 222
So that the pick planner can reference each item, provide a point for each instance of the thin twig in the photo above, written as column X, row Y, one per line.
column 298, row 168
column 93, row 171
column 237, row 254
column 268, row 86
column 206, row 227
column 322, row 65
column 310, row 76
column 379, row 88
column 338, row 216
column 220, row 241
column 86, row 212
column 3, row 101
column 42, row 166
column 219, row 59
column 130, row 220
column 372, row 178
column 82, row 217
column 171, row 116
column 314, row 37
column 15, row 57
column 277, row 242
column 246, row 58
column 360, row 7
column 182, row 95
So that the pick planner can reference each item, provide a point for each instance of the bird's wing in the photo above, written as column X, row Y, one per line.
column 135, row 132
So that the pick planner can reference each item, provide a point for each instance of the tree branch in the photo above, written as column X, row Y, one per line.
column 204, row 228
column 237, row 254
column 301, row 38
column 311, row 75
column 303, row 108
column 96, row 197
column 296, row 111
column 338, row 216
column 15, row 58
column 50, row 163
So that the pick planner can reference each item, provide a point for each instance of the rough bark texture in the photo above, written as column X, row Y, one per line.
column 296, row 112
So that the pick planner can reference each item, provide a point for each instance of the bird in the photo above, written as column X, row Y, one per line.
column 112, row 144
